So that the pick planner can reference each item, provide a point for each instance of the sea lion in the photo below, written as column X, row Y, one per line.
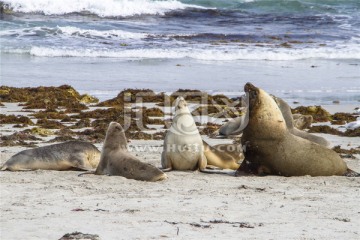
column 63, row 156
column 116, row 159
column 272, row 149
column 286, row 112
column 236, row 125
column 183, row 146
column 232, row 127
column 302, row 121
column 225, row 156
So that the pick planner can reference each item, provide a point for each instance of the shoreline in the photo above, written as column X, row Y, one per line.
column 307, row 81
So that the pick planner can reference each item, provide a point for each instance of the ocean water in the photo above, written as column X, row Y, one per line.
column 298, row 49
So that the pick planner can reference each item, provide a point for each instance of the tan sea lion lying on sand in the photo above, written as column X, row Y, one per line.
column 72, row 155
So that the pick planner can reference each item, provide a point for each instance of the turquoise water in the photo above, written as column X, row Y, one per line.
column 305, row 49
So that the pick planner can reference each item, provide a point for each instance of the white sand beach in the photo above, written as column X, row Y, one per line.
column 188, row 205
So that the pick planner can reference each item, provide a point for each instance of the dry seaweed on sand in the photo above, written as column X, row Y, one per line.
column 317, row 112
column 342, row 118
column 329, row 130
column 19, row 139
column 346, row 153
column 82, row 123
column 44, row 97
column 209, row 129
column 352, row 132
column 217, row 111
column 154, row 112
column 49, row 124
column 80, row 236
column 12, row 119
column 49, row 114
column 325, row 129
column 134, row 95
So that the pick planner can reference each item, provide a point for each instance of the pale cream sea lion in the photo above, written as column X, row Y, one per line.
column 272, row 149
column 118, row 161
column 183, row 146
column 72, row 155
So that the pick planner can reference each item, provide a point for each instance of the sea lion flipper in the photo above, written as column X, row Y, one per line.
column 351, row 173
column 165, row 169
column 212, row 171
column 202, row 162
column 212, row 167
column 165, row 162
column 3, row 167
column 88, row 172
column 7, row 168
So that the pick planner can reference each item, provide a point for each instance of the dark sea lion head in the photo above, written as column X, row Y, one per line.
column 265, row 116
column 252, row 93
column 115, row 137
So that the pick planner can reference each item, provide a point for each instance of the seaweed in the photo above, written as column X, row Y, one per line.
column 132, row 96
column 49, row 114
column 44, row 97
column 325, row 129
column 12, row 119
column 317, row 112
column 49, row 124
column 154, row 112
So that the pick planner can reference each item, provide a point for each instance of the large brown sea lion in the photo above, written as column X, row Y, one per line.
column 272, row 149
column 293, row 122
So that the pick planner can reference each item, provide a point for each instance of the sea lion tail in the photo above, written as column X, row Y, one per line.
column 3, row 167
column 351, row 173
column 88, row 172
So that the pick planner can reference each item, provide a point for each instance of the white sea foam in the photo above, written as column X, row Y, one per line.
column 103, row 8
column 106, row 33
column 200, row 54
column 204, row 54
column 74, row 31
